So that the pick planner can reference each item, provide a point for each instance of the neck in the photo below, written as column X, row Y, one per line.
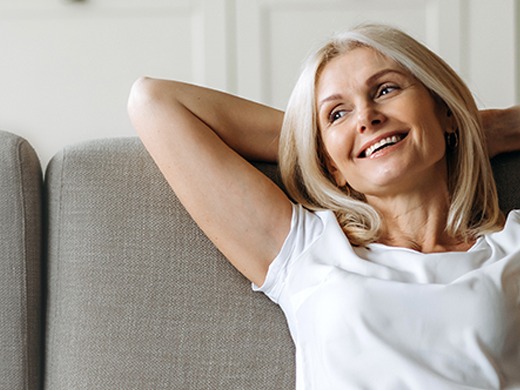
column 417, row 221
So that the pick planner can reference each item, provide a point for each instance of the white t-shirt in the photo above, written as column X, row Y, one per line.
column 394, row 318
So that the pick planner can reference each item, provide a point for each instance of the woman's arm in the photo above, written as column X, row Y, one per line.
column 502, row 128
column 200, row 140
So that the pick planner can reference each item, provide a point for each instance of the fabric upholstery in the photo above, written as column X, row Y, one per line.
column 138, row 297
column 506, row 170
column 20, row 264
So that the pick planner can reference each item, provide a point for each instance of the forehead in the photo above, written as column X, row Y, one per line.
column 353, row 68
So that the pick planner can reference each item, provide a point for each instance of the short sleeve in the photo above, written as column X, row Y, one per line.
column 306, row 227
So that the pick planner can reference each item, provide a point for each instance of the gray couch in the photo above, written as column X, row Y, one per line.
column 106, row 283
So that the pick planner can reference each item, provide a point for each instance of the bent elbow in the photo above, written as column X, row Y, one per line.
column 144, row 96
column 139, row 94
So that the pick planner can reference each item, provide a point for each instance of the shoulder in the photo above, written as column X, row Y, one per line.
column 514, row 215
column 309, row 227
column 314, row 239
column 509, row 237
column 310, row 222
column 512, row 222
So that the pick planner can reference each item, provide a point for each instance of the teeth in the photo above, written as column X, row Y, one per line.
column 386, row 141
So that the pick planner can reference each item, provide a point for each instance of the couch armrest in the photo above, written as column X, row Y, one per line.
column 20, row 264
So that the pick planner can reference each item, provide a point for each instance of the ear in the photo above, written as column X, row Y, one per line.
column 448, row 121
column 444, row 114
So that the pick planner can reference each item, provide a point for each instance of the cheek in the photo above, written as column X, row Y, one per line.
column 338, row 149
column 433, row 127
column 435, row 141
column 338, row 145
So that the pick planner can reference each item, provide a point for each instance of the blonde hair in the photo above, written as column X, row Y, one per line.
column 474, row 206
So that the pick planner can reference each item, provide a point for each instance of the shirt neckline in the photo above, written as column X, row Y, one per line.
column 379, row 246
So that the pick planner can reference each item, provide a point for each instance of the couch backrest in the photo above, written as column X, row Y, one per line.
column 138, row 298
column 20, row 264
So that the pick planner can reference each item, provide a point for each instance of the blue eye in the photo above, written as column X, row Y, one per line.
column 336, row 115
column 386, row 89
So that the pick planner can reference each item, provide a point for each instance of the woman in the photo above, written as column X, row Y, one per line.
column 403, row 275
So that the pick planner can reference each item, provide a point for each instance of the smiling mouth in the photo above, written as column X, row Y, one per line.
column 381, row 144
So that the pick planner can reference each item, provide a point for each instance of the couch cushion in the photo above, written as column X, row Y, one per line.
column 138, row 297
column 20, row 264
column 506, row 170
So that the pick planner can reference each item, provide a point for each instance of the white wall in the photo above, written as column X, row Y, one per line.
column 492, row 49
column 67, row 66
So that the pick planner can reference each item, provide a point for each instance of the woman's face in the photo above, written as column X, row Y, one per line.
column 381, row 128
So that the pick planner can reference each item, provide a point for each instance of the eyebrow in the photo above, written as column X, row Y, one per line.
column 375, row 76
column 336, row 96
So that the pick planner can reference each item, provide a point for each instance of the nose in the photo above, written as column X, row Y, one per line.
column 369, row 118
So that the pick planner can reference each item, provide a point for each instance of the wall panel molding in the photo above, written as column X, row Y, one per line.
column 274, row 36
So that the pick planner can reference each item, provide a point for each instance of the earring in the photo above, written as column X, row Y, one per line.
column 452, row 139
